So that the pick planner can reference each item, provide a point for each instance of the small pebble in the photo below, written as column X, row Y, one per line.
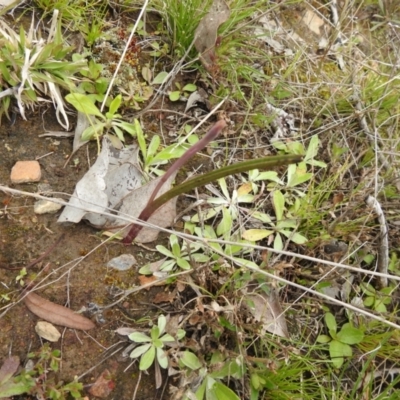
column 47, row 331
column 46, row 206
column 26, row 171
column 123, row 262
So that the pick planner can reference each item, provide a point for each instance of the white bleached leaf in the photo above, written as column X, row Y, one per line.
column 267, row 310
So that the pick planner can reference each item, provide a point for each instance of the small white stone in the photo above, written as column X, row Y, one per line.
column 47, row 331
column 123, row 262
column 46, row 206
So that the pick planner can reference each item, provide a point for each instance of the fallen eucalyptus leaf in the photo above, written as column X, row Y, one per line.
column 113, row 183
column 207, row 31
column 267, row 310
column 9, row 368
column 110, row 179
column 55, row 313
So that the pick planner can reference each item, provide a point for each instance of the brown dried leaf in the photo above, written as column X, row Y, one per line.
column 9, row 368
column 267, row 310
column 207, row 31
column 164, row 297
column 56, row 314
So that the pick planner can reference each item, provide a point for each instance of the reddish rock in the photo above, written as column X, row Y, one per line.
column 103, row 385
column 26, row 171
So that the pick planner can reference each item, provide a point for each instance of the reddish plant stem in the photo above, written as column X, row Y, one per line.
column 149, row 209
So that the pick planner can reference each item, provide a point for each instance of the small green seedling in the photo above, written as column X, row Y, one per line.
column 340, row 342
column 21, row 276
column 283, row 226
column 153, row 347
column 153, row 157
column 152, row 350
column 33, row 69
column 180, row 256
column 39, row 382
column 103, row 124
column 218, row 369
column 376, row 300
column 182, row 91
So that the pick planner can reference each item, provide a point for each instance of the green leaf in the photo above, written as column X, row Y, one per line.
column 160, row 78
column 262, row 217
column 164, row 251
column 190, row 87
column 146, row 74
column 323, row 339
column 145, row 270
column 10, row 388
column 153, row 146
column 161, row 323
column 190, row 360
column 139, row 337
column 200, row 258
column 155, row 332
column 83, row 104
column 147, row 359
column 182, row 263
column 162, row 358
column 350, row 335
column 175, row 248
column 101, row 85
column 168, row 265
column 115, row 105
column 126, row 126
column 256, row 234
column 245, row 262
column 380, row 307
column 138, row 351
column 298, row 239
column 294, row 236
column 278, row 244
column 255, row 381
column 201, row 391
column 222, row 392
column 312, row 148
column 119, row 133
column 339, row 349
column 167, row 338
column 91, row 131
column 270, row 176
column 278, row 201
column 330, row 322
column 180, row 334
column 298, row 174
column 174, row 96
column 132, row 129
column 226, row 222
column 369, row 301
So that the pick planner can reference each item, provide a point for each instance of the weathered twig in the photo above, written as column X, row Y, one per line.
column 383, row 252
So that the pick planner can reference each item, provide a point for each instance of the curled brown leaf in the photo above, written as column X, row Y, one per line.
column 56, row 314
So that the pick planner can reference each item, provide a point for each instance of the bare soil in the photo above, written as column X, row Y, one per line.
column 24, row 236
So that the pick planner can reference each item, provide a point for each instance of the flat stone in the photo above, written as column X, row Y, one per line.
column 26, row 171
column 123, row 262
column 47, row 331
column 46, row 206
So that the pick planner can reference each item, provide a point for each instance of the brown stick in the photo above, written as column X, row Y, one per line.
column 149, row 210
